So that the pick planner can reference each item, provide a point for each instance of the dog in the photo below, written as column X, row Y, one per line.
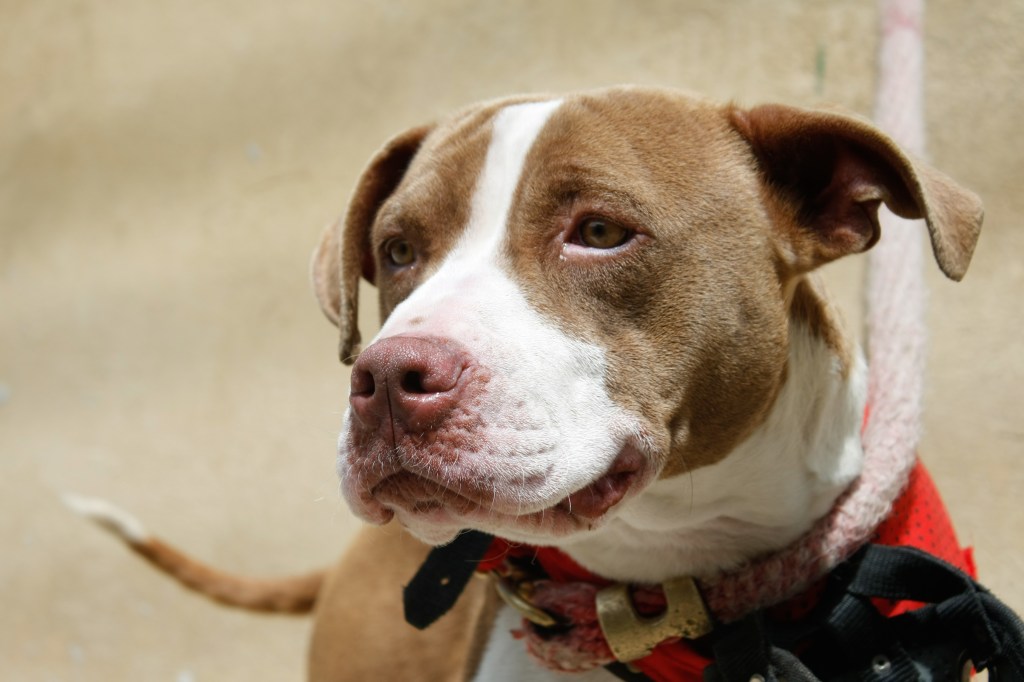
column 604, row 334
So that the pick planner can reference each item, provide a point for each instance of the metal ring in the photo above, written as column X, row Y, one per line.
column 512, row 596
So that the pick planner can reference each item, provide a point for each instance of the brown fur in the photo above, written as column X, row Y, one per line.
column 431, row 208
column 811, row 306
column 360, row 633
column 295, row 594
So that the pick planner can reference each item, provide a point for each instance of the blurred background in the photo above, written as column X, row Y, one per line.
column 165, row 170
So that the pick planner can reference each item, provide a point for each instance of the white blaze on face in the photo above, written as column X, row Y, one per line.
column 548, row 425
column 514, row 131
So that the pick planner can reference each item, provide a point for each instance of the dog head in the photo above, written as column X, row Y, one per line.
column 585, row 296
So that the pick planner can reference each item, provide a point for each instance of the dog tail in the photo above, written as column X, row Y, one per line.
column 295, row 594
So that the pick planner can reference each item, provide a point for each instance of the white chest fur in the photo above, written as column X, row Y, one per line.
column 761, row 497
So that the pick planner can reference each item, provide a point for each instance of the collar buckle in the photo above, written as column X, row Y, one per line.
column 631, row 636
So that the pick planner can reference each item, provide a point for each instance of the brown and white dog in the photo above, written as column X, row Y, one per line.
column 602, row 333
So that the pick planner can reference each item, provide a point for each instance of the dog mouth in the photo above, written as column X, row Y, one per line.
column 595, row 499
column 431, row 501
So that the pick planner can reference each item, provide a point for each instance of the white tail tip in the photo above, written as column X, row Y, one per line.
column 115, row 520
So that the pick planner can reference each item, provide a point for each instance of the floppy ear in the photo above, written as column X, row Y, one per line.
column 835, row 169
column 344, row 252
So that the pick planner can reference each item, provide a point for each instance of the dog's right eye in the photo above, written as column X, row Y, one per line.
column 599, row 233
column 399, row 252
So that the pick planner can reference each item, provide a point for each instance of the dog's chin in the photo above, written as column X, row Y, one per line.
column 431, row 534
column 436, row 513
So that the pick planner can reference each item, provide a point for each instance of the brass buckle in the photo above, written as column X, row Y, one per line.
column 631, row 636
column 516, row 593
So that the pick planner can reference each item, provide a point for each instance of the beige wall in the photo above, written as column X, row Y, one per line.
column 165, row 168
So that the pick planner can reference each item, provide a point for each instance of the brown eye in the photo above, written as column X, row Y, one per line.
column 598, row 233
column 399, row 252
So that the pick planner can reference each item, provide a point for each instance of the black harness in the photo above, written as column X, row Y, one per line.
column 961, row 627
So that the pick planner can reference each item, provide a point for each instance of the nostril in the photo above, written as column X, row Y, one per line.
column 400, row 375
column 412, row 382
column 363, row 383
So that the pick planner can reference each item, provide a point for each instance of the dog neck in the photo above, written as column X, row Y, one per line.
column 766, row 493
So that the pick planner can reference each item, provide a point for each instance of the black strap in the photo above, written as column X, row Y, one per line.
column 740, row 650
column 443, row 576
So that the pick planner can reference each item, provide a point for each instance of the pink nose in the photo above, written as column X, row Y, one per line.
column 411, row 383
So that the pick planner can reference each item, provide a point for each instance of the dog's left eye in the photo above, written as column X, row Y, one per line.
column 399, row 252
column 601, row 233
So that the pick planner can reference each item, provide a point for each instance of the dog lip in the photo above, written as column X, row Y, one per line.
column 427, row 499
column 419, row 494
column 593, row 500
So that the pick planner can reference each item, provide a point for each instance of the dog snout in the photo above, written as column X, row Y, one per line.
column 411, row 382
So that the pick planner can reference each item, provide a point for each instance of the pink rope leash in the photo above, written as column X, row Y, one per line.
column 896, row 290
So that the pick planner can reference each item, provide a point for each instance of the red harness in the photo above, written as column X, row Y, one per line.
column 918, row 519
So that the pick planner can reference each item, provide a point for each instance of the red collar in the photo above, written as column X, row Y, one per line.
column 918, row 519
